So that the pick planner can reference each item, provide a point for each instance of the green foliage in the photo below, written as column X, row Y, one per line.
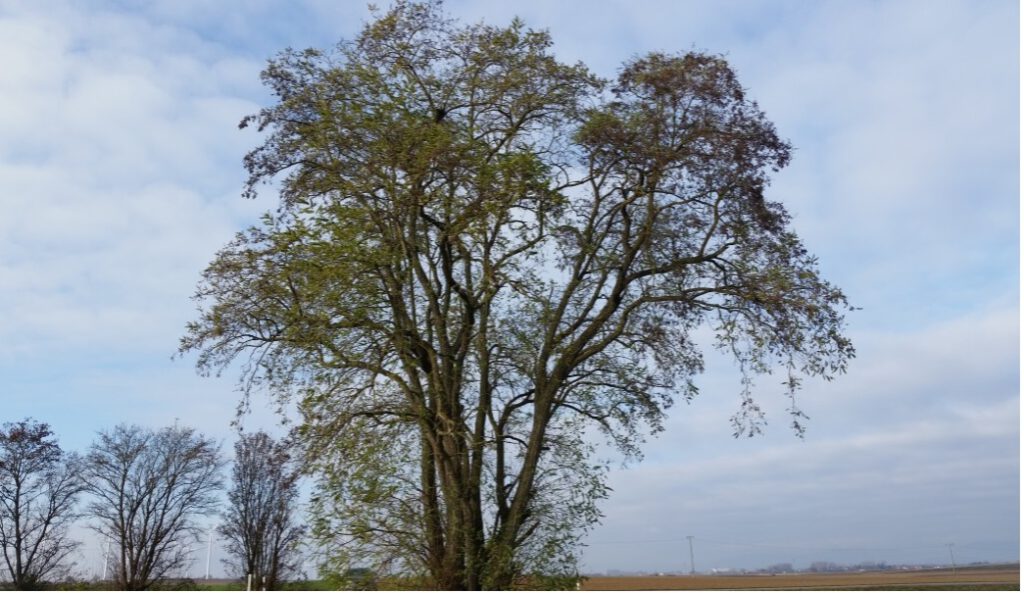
column 307, row 585
column 72, row 584
column 352, row 579
column 483, row 257
column 542, row 582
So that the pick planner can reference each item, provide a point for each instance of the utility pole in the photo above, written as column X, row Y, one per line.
column 692, row 569
column 951, row 558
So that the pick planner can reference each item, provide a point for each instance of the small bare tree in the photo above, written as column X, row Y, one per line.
column 149, row 486
column 39, row 486
column 259, row 524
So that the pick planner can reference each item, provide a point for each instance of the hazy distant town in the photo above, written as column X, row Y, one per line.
column 788, row 568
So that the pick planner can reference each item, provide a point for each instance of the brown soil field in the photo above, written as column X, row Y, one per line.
column 1002, row 578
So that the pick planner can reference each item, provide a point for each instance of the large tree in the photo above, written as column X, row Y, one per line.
column 39, row 488
column 480, row 253
column 148, row 489
column 259, row 524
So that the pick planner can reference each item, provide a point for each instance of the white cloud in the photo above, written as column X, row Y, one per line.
column 904, row 178
column 120, row 177
column 915, row 447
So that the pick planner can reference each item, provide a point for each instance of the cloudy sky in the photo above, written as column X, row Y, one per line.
column 120, row 174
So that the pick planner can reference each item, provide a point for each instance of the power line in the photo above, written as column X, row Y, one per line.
column 821, row 548
column 638, row 541
column 768, row 545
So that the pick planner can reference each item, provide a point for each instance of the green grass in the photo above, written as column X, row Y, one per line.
column 311, row 585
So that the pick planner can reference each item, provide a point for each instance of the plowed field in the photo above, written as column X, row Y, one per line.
column 998, row 579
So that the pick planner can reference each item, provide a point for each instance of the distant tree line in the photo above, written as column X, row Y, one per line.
column 144, row 491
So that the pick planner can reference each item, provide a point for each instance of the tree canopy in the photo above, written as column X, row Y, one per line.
column 482, row 253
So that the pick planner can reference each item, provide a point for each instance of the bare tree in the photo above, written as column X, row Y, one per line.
column 149, row 487
column 259, row 524
column 39, row 486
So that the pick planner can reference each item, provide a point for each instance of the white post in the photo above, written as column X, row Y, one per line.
column 248, row 583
